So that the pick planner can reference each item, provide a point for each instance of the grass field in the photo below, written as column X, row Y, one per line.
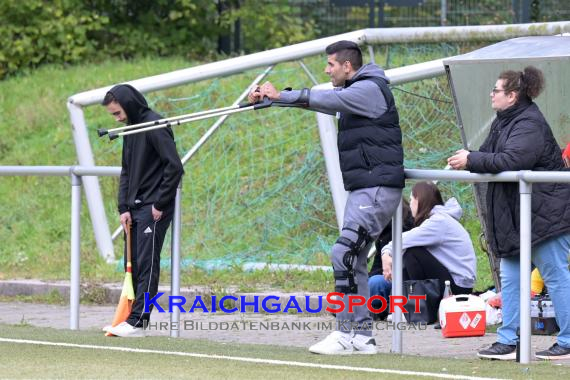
column 29, row 352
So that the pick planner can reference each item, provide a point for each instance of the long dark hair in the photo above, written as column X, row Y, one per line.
column 427, row 194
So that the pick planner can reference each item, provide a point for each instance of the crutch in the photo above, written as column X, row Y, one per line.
column 183, row 120
column 265, row 103
column 103, row 132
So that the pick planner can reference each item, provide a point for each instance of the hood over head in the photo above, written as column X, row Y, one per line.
column 132, row 101
column 369, row 70
column 451, row 208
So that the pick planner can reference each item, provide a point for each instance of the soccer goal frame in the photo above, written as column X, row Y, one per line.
column 368, row 37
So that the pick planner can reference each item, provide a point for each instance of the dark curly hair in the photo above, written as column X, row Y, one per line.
column 529, row 82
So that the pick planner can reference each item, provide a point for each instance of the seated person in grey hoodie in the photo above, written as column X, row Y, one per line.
column 438, row 246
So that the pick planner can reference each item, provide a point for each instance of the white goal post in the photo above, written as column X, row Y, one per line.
column 77, row 102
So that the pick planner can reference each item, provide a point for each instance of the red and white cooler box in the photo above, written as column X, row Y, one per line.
column 462, row 315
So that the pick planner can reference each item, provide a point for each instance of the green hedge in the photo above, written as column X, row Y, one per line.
column 35, row 32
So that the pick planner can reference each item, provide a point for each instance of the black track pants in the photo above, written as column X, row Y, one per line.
column 419, row 264
column 147, row 239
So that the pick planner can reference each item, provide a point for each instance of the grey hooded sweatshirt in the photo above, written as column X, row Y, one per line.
column 363, row 98
column 446, row 239
column 369, row 136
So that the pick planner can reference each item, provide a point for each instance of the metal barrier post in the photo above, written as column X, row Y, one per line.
column 525, row 190
column 397, row 276
column 175, row 262
column 75, row 251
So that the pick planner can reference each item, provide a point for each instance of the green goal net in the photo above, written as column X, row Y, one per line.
column 257, row 191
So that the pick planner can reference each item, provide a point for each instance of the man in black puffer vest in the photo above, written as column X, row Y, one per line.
column 150, row 173
column 371, row 161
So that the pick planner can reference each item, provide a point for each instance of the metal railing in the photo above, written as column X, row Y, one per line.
column 524, row 178
column 76, row 173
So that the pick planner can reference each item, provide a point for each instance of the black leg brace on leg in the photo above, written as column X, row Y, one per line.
column 352, row 251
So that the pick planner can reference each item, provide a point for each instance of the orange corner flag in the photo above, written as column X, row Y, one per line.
column 128, row 293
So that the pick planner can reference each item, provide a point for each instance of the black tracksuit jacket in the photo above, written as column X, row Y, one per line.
column 151, row 167
column 521, row 139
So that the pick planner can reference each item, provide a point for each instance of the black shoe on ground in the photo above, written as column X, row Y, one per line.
column 499, row 351
column 380, row 316
column 555, row 352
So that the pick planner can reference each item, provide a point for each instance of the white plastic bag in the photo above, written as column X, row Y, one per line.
column 488, row 294
column 494, row 315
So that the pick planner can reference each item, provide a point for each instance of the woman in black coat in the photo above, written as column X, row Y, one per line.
column 521, row 139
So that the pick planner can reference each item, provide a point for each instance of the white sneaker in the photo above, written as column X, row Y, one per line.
column 336, row 343
column 390, row 317
column 365, row 345
column 125, row 330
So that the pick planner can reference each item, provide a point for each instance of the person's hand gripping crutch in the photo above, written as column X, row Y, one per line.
column 266, row 90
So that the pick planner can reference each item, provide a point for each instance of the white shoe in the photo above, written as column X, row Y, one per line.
column 125, row 330
column 390, row 317
column 336, row 343
column 365, row 345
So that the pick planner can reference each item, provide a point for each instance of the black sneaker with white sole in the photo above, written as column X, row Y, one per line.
column 499, row 351
column 556, row 352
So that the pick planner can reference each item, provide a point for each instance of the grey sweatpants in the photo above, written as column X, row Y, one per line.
column 371, row 208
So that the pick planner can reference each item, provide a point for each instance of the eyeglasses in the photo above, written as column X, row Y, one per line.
column 495, row 91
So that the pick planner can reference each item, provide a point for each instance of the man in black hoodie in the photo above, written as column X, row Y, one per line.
column 151, row 171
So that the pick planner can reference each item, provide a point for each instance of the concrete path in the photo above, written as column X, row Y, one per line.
column 298, row 330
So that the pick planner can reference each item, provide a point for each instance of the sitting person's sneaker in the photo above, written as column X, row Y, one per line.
column 336, row 343
column 363, row 344
column 555, row 352
column 499, row 351
column 380, row 316
column 390, row 318
column 125, row 330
